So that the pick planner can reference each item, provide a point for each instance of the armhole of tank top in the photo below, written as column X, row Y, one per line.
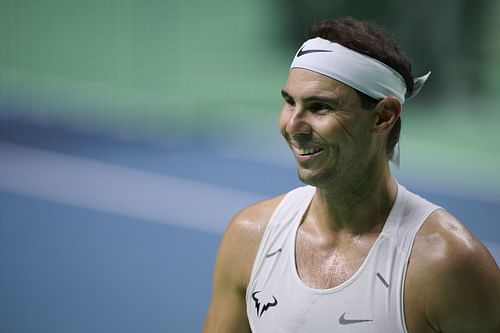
column 272, row 221
column 407, row 253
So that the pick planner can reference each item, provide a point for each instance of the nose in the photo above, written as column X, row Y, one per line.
column 296, row 122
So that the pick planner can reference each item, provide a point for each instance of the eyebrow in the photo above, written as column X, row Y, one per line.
column 308, row 99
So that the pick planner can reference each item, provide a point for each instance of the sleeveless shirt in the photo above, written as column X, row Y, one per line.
column 370, row 301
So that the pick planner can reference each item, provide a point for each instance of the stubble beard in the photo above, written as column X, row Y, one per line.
column 318, row 179
column 341, row 180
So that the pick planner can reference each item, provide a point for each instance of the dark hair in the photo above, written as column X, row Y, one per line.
column 374, row 41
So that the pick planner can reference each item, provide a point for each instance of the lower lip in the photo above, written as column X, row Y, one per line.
column 305, row 158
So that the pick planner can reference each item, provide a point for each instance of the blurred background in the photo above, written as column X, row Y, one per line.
column 132, row 131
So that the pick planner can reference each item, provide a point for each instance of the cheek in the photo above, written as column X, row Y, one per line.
column 330, row 130
column 283, row 121
column 341, row 128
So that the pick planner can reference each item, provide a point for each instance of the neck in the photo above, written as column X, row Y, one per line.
column 355, row 208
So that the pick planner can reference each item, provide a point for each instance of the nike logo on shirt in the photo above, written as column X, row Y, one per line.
column 273, row 253
column 344, row 321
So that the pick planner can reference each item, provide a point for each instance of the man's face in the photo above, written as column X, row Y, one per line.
column 328, row 132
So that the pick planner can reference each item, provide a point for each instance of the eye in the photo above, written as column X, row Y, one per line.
column 289, row 101
column 319, row 107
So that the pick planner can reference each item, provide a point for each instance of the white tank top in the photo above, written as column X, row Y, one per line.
column 370, row 301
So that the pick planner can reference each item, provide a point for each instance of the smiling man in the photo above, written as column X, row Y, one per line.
column 353, row 250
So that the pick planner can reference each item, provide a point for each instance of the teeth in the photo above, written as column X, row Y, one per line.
column 308, row 151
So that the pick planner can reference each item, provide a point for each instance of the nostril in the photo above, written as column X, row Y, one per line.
column 297, row 125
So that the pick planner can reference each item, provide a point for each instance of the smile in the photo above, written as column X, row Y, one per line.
column 306, row 154
column 308, row 151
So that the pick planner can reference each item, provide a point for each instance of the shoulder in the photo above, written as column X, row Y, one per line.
column 456, row 276
column 253, row 219
column 445, row 243
column 248, row 225
column 242, row 237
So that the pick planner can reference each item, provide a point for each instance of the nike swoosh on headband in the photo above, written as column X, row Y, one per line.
column 302, row 51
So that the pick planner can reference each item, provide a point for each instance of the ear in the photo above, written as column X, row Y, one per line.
column 387, row 113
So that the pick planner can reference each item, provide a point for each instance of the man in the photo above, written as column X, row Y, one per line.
column 353, row 251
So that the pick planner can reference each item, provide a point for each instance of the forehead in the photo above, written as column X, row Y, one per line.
column 303, row 83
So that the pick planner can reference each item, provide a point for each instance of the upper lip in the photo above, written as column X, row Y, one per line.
column 302, row 145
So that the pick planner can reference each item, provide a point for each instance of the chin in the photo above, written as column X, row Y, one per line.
column 315, row 179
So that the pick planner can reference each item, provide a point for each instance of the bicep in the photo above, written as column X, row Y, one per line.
column 227, row 311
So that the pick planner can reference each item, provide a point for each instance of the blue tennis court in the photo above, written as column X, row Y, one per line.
column 106, row 235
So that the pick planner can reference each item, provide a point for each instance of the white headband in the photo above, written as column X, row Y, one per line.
column 357, row 70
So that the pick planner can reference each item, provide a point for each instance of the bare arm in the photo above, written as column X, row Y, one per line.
column 227, row 308
column 462, row 281
column 237, row 251
column 469, row 295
